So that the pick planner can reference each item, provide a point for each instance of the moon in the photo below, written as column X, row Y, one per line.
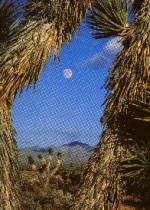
column 68, row 73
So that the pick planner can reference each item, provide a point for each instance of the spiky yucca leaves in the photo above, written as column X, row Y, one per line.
column 125, row 85
column 6, row 20
column 60, row 155
column 134, row 171
column 109, row 18
column 41, row 35
column 10, row 19
column 137, row 165
column 51, row 11
column 40, row 156
column 29, row 55
column 32, row 163
column 31, row 160
column 129, row 77
column 50, row 150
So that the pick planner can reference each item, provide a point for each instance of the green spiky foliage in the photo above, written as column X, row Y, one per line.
column 60, row 155
column 31, row 160
column 10, row 18
column 40, row 156
column 7, row 20
column 51, row 150
column 126, row 118
column 135, row 165
column 136, row 168
column 109, row 18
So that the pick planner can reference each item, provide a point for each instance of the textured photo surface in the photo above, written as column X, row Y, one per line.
column 74, row 104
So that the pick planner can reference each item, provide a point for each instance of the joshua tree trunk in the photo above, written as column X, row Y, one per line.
column 100, row 175
column 9, row 171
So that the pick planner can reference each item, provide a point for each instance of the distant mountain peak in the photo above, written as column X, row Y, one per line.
column 76, row 143
column 84, row 146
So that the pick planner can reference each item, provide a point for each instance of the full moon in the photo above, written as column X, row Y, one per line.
column 68, row 73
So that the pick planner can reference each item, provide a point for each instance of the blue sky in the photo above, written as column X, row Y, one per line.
column 64, row 110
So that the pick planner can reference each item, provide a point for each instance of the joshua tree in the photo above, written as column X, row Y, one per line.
column 25, row 45
column 45, row 173
column 117, row 173
column 32, row 163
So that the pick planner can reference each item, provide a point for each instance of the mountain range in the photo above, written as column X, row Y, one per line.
column 74, row 153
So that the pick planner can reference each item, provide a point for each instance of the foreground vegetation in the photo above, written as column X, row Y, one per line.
column 59, row 193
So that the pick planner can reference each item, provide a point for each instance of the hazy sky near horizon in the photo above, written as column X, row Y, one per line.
column 64, row 110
